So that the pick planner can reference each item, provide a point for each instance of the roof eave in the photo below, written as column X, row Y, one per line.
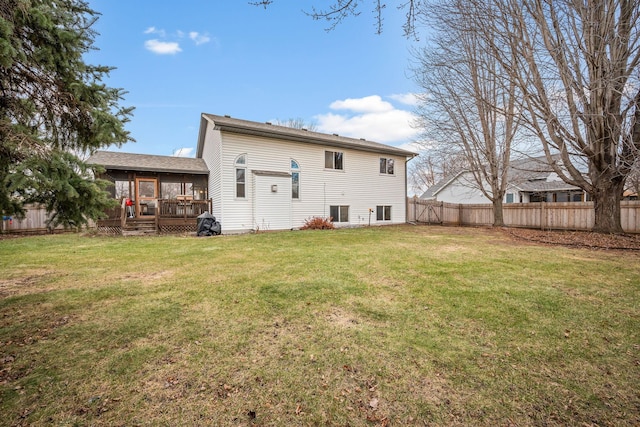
column 147, row 169
column 201, row 134
column 446, row 184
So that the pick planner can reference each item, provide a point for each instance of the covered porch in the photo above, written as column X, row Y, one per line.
column 156, row 194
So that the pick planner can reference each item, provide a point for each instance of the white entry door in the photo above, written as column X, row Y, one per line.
column 271, row 201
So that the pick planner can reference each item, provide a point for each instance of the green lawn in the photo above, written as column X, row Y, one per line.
column 360, row 327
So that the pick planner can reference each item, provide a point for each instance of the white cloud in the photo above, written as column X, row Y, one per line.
column 371, row 118
column 154, row 30
column 162, row 48
column 368, row 104
column 406, row 98
column 199, row 38
column 416, row 147
column 183, row 152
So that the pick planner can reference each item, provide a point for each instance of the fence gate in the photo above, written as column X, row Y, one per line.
column 427, row 211
column 434, row 213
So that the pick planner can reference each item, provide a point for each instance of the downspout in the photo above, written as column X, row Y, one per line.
column 324, row 199
column 406, row 188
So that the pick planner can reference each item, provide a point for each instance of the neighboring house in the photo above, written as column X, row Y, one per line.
column 259, row 176
column 528, row 180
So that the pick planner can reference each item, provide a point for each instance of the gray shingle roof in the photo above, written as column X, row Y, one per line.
column 541, row 186
column 532, row 175
column 148, row 162
column 529, row 174
column 435, row 188
column 228, row 124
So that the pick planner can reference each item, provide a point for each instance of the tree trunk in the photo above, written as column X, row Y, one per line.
column 606, row 201
column 498, row 218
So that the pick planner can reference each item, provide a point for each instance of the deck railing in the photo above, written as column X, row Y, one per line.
column 167, row 208
column 123, row 213
column 182, row 208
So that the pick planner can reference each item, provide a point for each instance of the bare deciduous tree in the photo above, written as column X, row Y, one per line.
column 297, row 123
column 469, row 105
column 339, row 10
column 633, row 180
column 431, row 166
column 578, row 71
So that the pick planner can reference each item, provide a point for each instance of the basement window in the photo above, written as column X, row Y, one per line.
column 339, row 213
column 383, row 213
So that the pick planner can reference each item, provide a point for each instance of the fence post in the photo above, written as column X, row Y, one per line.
column 543, row 216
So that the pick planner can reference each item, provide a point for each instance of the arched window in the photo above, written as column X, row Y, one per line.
column 295, row 180
column 241, row 176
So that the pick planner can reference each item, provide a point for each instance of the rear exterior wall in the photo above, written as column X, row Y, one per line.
column 359, row 185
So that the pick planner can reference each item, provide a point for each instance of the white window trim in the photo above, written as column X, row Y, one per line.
column 334, row 161
column 348, row 221
column 387, row 167
column 236, row 166
column 383, row 208
column 298, row 171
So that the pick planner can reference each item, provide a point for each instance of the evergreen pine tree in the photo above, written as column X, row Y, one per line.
column 54, row 108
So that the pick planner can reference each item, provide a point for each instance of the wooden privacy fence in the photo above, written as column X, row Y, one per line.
column 172, row 216
column 34, row 221
column 545, row 216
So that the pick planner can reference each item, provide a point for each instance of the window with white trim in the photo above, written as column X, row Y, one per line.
column 241, row 176
column 334, row 160
column 387, row 166
column 295, row 180
column 383, row 213
column 339, row 213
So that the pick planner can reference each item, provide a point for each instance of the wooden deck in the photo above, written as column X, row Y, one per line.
column 172, row 216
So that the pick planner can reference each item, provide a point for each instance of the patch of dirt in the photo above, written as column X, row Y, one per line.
column 582, row 239
column 341, row 319
column 146, row 276
column 24, row 285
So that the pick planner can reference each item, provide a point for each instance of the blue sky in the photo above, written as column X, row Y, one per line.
column 180, row 59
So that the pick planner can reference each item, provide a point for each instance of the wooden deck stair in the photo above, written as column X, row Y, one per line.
column 139, row 227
